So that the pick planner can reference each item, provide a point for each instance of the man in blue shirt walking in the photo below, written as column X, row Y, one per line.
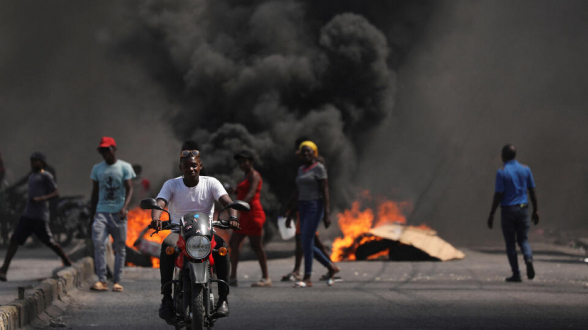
column 513, row 181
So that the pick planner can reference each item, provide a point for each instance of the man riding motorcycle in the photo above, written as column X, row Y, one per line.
column 191, row 193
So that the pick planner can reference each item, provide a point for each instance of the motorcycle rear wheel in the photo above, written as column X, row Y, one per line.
column 198, row 311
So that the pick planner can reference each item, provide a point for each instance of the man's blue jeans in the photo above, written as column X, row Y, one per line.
column 311, row 213
column 106, row 224
column 515, row 228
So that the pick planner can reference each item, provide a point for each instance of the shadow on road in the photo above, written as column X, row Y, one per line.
column 535, row 252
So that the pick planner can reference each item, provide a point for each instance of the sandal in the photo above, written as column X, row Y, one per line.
column 327, row 276
column 331, row 274
column 303, row 284
column 291, row 277
column 99, row 286
column 264, row 282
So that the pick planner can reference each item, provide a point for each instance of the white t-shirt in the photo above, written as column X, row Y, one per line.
column 200, row 198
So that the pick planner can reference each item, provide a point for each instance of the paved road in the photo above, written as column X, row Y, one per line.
column 376, row 295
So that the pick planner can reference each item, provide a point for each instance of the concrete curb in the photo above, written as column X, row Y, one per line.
column 21, row 312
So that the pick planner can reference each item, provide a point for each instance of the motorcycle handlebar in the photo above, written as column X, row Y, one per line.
column 168, row 225
column 165, row 225
column 222, row 224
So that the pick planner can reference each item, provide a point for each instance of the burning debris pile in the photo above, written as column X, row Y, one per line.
column 387, row 235
column 142, row 248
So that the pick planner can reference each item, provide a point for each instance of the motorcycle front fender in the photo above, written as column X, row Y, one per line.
column 199, row 272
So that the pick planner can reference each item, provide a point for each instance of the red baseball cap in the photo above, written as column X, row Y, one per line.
column 106, row 142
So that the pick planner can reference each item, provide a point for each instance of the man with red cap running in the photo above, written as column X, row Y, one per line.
column 112, row 189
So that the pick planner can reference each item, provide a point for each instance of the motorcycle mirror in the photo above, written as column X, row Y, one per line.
column 239, row 205
column 150, row 203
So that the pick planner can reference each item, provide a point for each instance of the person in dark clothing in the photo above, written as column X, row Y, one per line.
column 35, row 219
column 52, row 202
column 513, row 180
column 191, row 193
column 25, row 179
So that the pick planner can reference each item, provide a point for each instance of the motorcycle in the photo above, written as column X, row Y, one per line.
column 70, row 217
column 192, row 293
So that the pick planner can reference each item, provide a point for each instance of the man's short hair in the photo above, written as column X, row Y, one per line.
column 39, row 156
column 509, row 152
column 190, row 155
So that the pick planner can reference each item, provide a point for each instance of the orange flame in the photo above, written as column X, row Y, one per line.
column 390, row 212
column 424, row 227
column 352, row 223
column 380, row 254
column 356, row 223
column 137, row 221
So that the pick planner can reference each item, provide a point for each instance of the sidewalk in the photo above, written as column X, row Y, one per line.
column 47, row 299
column 29, row 267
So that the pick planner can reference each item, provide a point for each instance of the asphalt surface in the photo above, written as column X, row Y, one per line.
column 465, row 294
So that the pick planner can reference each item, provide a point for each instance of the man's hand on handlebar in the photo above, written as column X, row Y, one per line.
column 156, row 224
column 234, row 223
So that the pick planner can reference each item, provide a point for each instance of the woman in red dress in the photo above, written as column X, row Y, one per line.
column 251, row 222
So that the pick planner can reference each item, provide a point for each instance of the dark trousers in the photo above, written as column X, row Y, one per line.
column 167, row 264
column 28, row 226
column 515, row 228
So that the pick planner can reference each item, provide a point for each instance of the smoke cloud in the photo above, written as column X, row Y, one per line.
column 63, row 88
column 257, row 75
column 484, row 74
column 410, row 99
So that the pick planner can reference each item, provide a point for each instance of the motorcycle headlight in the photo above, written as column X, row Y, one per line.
column 198, row 247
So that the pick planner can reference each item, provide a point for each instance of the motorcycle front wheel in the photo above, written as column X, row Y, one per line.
column 198, row 312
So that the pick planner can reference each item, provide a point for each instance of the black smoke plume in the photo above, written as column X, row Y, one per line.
column 257, row 75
